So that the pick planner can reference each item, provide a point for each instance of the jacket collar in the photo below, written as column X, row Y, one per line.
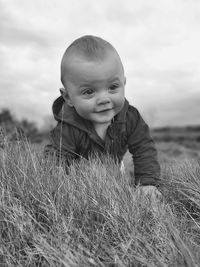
column 64, row 113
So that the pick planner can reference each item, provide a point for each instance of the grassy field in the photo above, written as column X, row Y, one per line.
column 92, row 217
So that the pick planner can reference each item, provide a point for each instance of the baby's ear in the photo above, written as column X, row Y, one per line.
column 62, row 90
column 66, row 96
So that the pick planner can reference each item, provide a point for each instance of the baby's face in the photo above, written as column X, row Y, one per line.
column 96, row 88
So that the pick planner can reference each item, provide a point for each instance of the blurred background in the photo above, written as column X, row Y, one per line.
column 158, row 42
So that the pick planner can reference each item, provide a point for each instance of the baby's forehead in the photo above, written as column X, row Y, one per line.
column 76, row 65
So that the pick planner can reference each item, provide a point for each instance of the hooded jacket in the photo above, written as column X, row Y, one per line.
column 75, row 137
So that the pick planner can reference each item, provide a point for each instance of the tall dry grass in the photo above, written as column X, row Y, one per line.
column 91, row 216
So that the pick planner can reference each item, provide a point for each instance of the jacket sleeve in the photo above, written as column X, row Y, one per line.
column 63, row 144
column 142, row 148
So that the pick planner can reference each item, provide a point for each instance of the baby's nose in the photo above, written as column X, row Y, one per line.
column 103, row 99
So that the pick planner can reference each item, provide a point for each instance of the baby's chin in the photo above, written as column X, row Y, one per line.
column 103, row 121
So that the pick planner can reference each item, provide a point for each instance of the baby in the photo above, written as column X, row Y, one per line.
column 93, row 115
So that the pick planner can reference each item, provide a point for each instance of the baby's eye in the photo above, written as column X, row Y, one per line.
column 114, row 87
column 88, row 91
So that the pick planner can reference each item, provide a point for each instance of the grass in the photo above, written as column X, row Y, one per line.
column 91, row 216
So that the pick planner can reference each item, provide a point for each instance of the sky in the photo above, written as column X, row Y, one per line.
column 158, row 42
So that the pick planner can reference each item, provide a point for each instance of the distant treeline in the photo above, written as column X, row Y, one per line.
column 193, row 128
column 14, row 128
column 188, row 135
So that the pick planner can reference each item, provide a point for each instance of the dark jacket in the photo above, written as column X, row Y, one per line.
column 75, row 137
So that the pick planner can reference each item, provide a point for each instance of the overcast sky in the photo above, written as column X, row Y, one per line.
column 158, row 41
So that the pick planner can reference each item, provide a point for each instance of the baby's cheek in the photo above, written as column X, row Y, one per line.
column 120, row 101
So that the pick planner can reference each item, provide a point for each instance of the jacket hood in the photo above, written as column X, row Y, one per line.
column 64, row 113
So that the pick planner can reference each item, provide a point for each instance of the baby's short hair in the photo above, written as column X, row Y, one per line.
column 92, row 47
column 89, row 46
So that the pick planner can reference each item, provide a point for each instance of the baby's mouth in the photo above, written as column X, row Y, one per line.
column 104, row 110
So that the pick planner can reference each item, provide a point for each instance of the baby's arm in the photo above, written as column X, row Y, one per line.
column 142, row 148
column 63, row 145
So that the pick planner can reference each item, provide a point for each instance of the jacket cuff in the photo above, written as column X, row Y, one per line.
column 144, row 181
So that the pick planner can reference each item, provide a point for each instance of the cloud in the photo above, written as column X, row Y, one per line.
column 183, row 111
column 158, row 42
column 14, row 33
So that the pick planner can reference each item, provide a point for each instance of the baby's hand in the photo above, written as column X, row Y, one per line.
column 153, row 193
column 149, row 190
